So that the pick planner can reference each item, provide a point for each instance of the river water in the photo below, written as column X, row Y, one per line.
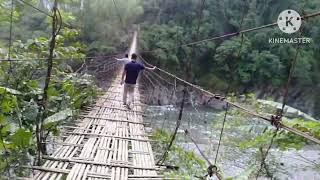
column 204, row 125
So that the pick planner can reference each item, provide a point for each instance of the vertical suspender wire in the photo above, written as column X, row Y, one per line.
column 189, row 73
column 178, row 123
column 10, row 35
column 228, row 88
column 171, row 97
column 118, row 13
column 285, row 97
column 120, row 18
column 286, row 90
column 264, row 156
column 221, row 133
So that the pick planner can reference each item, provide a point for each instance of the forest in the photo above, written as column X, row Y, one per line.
column 38, row 95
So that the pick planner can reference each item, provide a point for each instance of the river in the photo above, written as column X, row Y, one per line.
column 204, row 125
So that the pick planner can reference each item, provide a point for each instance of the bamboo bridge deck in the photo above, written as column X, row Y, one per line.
column 109, row 142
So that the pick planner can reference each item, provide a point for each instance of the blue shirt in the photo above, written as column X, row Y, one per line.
column 132, row 71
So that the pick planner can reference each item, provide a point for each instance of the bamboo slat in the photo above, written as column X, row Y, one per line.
column 108, row 142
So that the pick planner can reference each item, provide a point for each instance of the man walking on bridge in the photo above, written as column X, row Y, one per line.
column 131, row 71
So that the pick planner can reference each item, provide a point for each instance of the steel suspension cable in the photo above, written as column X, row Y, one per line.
column 32, row 6
column 216, row 96
column 219, row 97
column 86, row 64
column 232, row 34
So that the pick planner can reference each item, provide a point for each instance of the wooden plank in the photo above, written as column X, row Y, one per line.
column 91, row 174
column 72, row 160
column 88, row 130
column 116, row 120
column 136, row 101
column 120, row 109
column 105, row 135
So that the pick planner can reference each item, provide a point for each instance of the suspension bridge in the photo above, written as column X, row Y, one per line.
column 111, row 142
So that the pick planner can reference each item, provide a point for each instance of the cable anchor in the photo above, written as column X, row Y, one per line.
column 219, row 97
column 276, row 121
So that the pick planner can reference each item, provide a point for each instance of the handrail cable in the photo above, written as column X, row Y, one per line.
column 161, row 78
column 158, row 82
column 63, row 58
column 217, row 96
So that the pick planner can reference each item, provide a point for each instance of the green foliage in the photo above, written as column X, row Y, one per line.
column 21, row 138
column 189, row 163
column 59, row 116
column 164, row 25
column 21, row 87
column 243, row 133
column 285, row 140
column 256, row 65
column 101, row 25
